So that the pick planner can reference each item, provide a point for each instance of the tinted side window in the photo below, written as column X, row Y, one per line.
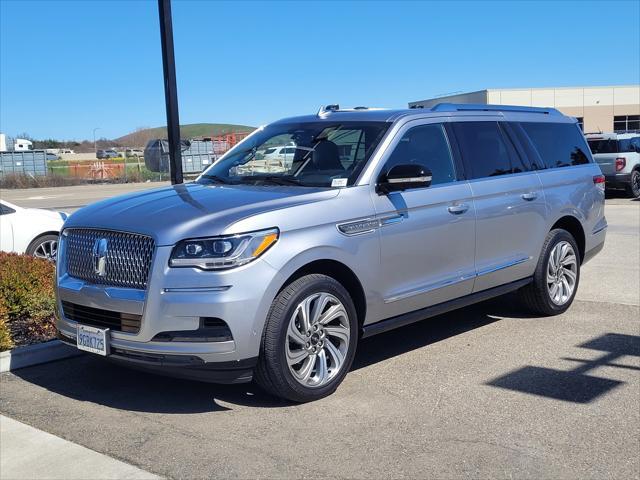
column 485, row 150
column 629, row 144
column 603, row 145
column 559, row 144
column 426, row 145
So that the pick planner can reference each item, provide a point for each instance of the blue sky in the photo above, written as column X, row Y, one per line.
column 67, row 67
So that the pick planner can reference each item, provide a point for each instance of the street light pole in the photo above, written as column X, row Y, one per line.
column 170, row 91
column 95, row 150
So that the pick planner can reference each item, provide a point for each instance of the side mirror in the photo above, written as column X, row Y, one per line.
column 404, row 177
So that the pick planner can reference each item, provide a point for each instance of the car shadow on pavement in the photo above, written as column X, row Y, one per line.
column 432, row 330
column 575, row 385
column 90, row 378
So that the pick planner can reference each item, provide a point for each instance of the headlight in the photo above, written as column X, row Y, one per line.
column 217, row 253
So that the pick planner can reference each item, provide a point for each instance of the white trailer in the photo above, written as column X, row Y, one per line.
column 22, row 145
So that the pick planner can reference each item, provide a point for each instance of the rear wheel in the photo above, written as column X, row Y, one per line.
column 633, row 188
column 45, row 246
column 555, row 281
column 309, row 340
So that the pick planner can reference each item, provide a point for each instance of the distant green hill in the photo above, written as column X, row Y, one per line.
column 140, row 138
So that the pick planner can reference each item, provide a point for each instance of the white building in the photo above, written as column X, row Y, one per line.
column 598, row 109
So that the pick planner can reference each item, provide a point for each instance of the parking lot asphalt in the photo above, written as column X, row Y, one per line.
column 488, row 391
column 70, row 199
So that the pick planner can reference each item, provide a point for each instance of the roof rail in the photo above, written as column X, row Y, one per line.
column 325, row 109
column 481, row 107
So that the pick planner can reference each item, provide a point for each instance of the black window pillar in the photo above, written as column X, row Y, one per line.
column 170, row 91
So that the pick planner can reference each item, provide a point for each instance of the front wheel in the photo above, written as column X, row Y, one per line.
column 633, row 188
column 555, row 281
column 309, row 339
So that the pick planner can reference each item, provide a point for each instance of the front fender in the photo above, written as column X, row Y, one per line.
column 359, row 254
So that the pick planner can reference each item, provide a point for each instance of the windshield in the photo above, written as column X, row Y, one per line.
column 310, row 154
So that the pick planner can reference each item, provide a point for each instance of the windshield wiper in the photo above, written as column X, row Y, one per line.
column 275, row 179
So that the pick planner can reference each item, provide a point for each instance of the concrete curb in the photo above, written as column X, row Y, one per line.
column 29, row 355
column 28, row 453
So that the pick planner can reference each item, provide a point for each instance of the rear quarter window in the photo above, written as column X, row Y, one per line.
column 558, row 144
column 603, row 145
column 485, row 149
column 628, row 145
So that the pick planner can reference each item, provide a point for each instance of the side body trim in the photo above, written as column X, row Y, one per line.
column 433, row 286
column 453, row 280
column 424, row 313
column 502, row 266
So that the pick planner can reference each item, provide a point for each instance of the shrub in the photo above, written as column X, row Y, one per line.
column 5, row 337
column 27, row 297
column 19, row 180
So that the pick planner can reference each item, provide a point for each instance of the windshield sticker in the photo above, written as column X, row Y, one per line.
column 339, row 182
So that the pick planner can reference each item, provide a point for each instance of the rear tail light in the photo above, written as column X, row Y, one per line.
column 621, row 162
column 598, row 180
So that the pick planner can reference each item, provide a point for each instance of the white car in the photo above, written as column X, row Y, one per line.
column 284, row 155
column 30, row 230
column 618, row 155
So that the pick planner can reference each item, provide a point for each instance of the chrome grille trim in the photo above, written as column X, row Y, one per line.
column 128, row 257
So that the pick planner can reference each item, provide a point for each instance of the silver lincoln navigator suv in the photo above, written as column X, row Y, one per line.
column 271, row 269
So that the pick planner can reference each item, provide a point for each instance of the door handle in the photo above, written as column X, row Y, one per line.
column 458, row 209
column 529, row 196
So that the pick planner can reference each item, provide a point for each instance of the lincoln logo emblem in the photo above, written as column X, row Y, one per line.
column 100, row 257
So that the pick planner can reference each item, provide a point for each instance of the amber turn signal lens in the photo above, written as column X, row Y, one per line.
column 267, row 241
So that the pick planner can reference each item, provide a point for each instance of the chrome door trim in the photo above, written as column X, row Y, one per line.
column 454, row 280
column 432, row 286
column 502, row 266
column 391, row 219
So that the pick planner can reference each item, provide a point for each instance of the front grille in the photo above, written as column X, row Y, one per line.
column 97, row 317
column 127, row 257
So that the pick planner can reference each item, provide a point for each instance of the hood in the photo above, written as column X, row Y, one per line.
column 173, row 213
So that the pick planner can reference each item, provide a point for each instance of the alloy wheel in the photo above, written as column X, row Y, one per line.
column 635, row 183
column 317, row 340
column 562, row 273
column 47, row 250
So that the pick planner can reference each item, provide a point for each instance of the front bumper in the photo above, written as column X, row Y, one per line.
column 180, row 366
column 176, row 300
column 617, row 180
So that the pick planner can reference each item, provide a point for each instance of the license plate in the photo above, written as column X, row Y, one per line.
column 94, row 340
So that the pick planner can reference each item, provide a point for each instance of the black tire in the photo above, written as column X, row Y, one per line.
column 536, row 296
column 272, row 372
column 45, row 240
column 633, row 189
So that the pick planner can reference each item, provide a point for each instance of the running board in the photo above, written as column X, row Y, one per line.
column 424, row 313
